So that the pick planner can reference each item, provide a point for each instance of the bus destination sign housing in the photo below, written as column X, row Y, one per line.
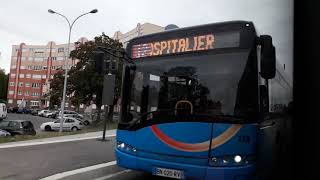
column 186, row 44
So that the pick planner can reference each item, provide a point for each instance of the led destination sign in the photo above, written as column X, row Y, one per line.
column 186, row 44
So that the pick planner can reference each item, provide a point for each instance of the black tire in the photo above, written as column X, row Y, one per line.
column 74, row 128
column 86, row 123
column 47, row 128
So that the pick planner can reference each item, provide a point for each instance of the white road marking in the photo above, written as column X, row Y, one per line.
column 112, row 175
column 52, row 141
column 77, row 171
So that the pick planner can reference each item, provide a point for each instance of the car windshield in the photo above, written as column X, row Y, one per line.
column 209, row 84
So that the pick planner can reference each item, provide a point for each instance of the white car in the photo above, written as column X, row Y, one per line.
column 69, row 124
column 42, row 112
column 4, row 133
column 3, row 111
column 86, row 122
column 47, row 114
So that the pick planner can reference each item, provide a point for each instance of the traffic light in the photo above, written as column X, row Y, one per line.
column 99, row 61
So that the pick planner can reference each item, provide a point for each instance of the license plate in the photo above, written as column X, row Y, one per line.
column 172, row 173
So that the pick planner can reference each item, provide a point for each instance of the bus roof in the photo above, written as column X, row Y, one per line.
column 230, row 34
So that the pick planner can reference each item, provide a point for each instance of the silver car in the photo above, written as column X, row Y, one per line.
column 4, row 133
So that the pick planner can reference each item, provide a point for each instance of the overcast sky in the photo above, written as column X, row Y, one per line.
column 30, row 22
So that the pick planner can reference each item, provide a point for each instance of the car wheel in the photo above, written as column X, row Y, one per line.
column 86, row 123
column 47, row 128
column 74, row 129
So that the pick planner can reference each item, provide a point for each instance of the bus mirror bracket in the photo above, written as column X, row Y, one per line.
column 268, row 57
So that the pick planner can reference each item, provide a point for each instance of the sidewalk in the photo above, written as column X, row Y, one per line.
column 76, row 137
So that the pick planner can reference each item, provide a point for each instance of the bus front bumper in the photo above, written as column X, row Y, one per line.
column 130, row 161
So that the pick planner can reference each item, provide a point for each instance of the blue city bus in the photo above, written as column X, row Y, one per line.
column 203, row 102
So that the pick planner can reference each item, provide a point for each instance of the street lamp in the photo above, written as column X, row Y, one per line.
column 66, row 60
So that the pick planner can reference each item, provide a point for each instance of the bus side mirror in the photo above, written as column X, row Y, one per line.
column 268, row 57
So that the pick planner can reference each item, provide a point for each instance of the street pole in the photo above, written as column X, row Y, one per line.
column 66, row 62
column 105, row 122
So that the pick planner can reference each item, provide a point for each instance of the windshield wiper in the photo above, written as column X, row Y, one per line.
column 139, row 119
column 215, row 118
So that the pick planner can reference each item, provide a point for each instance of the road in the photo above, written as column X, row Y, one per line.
column 34, row 162
column 40, row 161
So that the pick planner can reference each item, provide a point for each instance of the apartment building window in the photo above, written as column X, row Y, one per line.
column 39, row 50
column 27, row 84
column 31, row 49
column 44, row 67
column 60, row 50
column 11, row 83
column 35, row 94
column 35, row 85
column 27, row 93
column 10, row 101
column 38, row 58
column 48, row 49
column 34, row 103
column 22, row 67
column 37, row 67
column 53, row 50
column 54, row 58
column 29, row 67
column 44, row 76
column 30, row 58
column 20, row 84
column 21, row 75
column 11, row 92
column 13, row 75
column 36, row 76
column 28, row 75
column 19, row 92
column 60, row 58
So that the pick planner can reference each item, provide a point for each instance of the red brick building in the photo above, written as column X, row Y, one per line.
column 32, row 66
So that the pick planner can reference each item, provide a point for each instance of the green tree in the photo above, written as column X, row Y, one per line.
column 86, row 84
column 56, row 88
column 3, row 85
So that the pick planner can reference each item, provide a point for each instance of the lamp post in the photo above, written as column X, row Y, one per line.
column 66, row 60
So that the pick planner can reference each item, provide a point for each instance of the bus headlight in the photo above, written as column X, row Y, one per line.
column 237, row 158
column 126, row 147
column 232, row 160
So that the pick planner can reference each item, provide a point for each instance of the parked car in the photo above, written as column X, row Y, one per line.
column 55, row 114
column 67, row 112
column 35, row 111
column 13, row 109
column 42, row 112
column 69, row 124
column 4, row 133
column 24, row 111
column 48, row 114
column 86, row 122
column 18, row 127
column 3, row 111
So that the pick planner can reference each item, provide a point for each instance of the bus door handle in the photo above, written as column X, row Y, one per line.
column 265, row 126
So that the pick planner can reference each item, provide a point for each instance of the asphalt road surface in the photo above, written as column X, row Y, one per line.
column 38, row 161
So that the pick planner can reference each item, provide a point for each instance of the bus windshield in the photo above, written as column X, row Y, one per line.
column 212, row 83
